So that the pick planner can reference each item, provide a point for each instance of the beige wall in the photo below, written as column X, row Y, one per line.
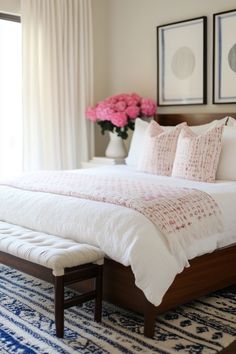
column 10, row 6
column 129, row 43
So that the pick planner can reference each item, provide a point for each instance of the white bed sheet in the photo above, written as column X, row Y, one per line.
column 123, row 234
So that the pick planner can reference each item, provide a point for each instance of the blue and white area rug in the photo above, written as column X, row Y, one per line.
column 27, row 324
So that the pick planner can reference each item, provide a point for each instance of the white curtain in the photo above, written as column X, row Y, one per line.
column 57, row 83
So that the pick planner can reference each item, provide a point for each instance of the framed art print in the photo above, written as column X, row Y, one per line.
column 224, row 57
column 182, row 60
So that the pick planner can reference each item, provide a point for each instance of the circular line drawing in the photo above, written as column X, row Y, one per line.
column 232, row 58
column 183, row 63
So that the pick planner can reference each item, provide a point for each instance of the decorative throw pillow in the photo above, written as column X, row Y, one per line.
column 141, row 126
column 226, row 169
column 197, row 156
column 159, row 149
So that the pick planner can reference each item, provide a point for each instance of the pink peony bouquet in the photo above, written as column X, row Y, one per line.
column 117, row 113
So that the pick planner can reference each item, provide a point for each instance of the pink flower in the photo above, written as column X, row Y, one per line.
column 132, row 102
column 119, row 119
column 111, row 100
column 136, row 97
column 121, row 97
column 91, row 114
column 120, row 110
column 120, row 106
column 148, row 107
column 132, row 112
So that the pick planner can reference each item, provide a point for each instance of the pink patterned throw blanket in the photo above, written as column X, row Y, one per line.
column 182, row 213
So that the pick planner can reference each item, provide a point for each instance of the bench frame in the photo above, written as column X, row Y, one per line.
column 72, row 275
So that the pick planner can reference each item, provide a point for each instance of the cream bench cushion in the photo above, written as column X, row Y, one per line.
column 49, row 251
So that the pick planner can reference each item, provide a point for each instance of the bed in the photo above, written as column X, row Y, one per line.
column 207, row 272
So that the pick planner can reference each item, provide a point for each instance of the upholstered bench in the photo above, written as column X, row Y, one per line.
column 57, row 260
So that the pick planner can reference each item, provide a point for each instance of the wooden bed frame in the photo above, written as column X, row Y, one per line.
column 206, row 273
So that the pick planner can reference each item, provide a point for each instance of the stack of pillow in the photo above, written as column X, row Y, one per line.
column 201, row 153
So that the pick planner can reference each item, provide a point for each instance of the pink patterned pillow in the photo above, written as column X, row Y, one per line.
column 197, row 156
column 159, row 149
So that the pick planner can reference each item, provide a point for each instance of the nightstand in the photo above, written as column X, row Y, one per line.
column 102, row 161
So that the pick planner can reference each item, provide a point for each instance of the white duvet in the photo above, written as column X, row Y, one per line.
column 123, row 234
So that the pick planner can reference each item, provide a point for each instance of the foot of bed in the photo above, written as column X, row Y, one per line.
column 149, row 321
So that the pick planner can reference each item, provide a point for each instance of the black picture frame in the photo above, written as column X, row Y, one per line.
column 182, row 63
column 224, row 57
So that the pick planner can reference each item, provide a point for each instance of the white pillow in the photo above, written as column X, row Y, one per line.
column 231, row 122
column 136, row 145
column 199, row 129
column 227, row 163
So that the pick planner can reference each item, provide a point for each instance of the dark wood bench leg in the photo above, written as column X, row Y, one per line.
column 98, row 298
column 149, row 320
column 59, row 305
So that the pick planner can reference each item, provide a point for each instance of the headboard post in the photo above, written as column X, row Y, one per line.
column 190, row 118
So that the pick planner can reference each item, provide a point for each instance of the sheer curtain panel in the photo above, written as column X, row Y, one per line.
column 57, row 83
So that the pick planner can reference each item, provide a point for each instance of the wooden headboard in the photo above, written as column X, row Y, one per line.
column 190, row 118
